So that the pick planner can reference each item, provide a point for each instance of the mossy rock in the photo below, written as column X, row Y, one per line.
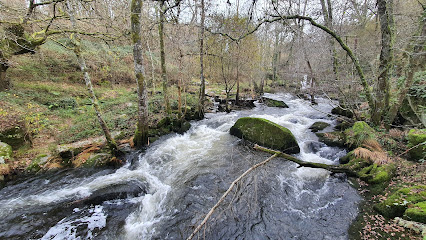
column 359, row 133
column 265, row 133
column 318, row 126
column 416, row 137
column 5, row 152
column 97, row 160
column 397, row 203
column 358, row 164
column 38, row 163
column 375, row 174
column 416, row 212
column 274, row 103
column 14, row 136
column 342, row 126
column 342, row 112
column 332, row 139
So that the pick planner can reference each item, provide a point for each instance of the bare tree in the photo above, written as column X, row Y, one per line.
column 202, row 95
column 76, row 46
column 141, row 135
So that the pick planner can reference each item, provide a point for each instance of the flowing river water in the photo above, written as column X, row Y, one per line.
column 165, row 192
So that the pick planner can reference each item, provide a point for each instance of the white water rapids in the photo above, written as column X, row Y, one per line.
column 184, row 175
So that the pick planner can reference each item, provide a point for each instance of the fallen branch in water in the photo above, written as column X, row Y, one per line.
column 226, row 194
column 331, row 168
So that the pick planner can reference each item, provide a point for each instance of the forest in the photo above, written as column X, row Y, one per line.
column 131, row 119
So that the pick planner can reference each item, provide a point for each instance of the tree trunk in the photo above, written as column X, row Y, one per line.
column 237, row 95
column 163, row 58
column 4, row 82
column 141, row 135
column 381, row 106
column 275, row 56
column 202, row 95
column 414, row 64
column 112, row 145
column 328, row 19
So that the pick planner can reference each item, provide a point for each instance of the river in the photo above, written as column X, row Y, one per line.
column 165, row 191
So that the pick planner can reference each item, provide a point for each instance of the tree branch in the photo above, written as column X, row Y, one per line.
column 331, row 168
column 226, row 194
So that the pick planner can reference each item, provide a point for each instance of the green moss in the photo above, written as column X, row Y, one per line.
column 5, row 152
column 97, row 160
column 359, row 132
column 416, row 212
column 37, row 163
column 416, row 137
column 382, row 174
column 274, row 103
column 265, row 133
column 318, row 126
column 396, row 204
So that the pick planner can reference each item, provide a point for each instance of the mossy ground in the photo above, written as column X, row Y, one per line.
column 372, row 225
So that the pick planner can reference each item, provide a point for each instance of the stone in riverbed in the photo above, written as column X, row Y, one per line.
column 318, row 126
column 265, row 133
column 274, row 103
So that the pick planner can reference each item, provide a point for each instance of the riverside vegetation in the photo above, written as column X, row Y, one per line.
column 49, row 121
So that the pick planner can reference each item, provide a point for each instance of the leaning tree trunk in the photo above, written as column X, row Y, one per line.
column 202, row 95
column 163, row 59
column 381, row 106
column 141, row 135
column 112, row 145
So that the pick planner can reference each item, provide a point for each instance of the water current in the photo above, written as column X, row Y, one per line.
column 165, row 191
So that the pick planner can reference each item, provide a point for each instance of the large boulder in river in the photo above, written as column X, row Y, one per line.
column 274, row 103
column 265, row 133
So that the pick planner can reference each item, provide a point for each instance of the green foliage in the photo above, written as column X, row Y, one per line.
column 5, row 152
column 360, row 132
column 35, row 121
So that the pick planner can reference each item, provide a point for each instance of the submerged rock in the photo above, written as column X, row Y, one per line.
column 265, row 133
column 416, row 137
column 332, row 139
column 132, row 188
column 274, row 103
column 318, row 126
